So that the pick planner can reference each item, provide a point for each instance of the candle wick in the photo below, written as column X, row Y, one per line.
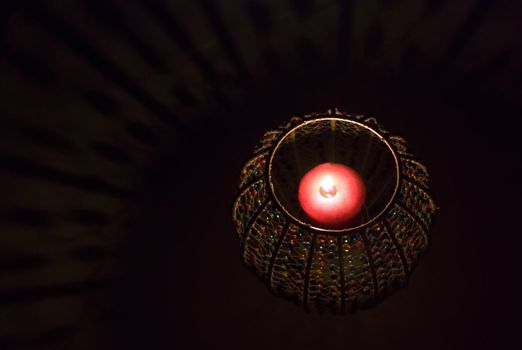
column 328, row 190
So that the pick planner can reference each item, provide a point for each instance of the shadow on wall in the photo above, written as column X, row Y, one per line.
column 124, row 128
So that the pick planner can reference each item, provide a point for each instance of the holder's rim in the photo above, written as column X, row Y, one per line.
column 340, row 118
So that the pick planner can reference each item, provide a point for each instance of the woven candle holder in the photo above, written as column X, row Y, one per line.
column 345, row 268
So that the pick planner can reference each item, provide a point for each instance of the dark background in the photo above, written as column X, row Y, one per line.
column 124, row 126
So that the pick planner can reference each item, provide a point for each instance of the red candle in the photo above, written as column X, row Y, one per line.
column 332, row 195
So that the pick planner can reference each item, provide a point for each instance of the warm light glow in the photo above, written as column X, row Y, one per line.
column 332, row 195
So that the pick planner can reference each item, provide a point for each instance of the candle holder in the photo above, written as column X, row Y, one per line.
column 344, row 268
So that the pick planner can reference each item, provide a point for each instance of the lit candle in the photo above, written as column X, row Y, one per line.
column 332, row 195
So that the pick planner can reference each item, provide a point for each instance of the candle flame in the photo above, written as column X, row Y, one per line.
column 327, row 188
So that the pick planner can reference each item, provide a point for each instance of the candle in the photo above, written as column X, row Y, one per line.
column 332, row 195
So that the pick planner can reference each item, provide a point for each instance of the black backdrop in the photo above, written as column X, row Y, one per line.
column 152, row 263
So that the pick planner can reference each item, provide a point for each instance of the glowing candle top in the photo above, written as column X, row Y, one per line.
column 332, row 195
